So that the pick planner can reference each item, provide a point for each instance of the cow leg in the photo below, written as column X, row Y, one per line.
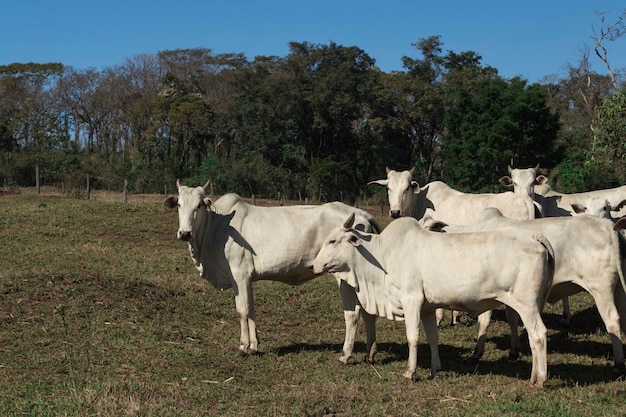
column 620, row 303
column 412, row 322
column 439, row 316
column 513, row 319
column 432, row 336
column 567, row 314
column 352, row 309
column 370, row 331
column 609, row 314
column 248, row 342
column 455, row 317
column 483, row 325
column 537, row 338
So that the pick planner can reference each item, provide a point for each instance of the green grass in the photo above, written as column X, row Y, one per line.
column 102, row 313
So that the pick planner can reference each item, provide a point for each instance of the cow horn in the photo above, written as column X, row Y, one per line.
column 537, row 167
column 510, row 168
column 412, row 170
column 348, row 224
column 387, row 170
column 178, row 184
column 205, row 187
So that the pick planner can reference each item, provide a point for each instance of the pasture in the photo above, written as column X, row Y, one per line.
column 102, row 313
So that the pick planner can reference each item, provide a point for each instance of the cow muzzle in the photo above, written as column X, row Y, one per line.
column 394, row 214
column 184, row 235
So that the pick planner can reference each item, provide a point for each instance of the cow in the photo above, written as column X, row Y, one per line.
column 600, row 207
column 589, row 256
column 233, row 243
column 438, row 200
column 529, row 182
column 446, row 204
column 406, row 273
column 614, row 197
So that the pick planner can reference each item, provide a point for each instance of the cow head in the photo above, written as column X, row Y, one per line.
column 400, row 186
column 335, row 252
column 343, row 253
column 191, row 203
column 523, row 181
column 598, row 206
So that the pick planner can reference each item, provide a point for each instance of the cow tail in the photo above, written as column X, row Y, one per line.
column 620, row 256
column 551, row 260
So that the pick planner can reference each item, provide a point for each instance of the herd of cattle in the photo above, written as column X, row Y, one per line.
column 446, row 249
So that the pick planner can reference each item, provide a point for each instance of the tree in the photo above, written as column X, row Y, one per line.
column 606, row 162
column 603, row 33
column 507, row 121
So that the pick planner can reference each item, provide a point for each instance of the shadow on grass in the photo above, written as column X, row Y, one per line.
column 561, row 340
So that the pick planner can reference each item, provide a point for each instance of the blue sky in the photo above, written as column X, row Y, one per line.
column 529, row 38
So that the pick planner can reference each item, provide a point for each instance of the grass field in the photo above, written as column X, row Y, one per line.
column 103, row 314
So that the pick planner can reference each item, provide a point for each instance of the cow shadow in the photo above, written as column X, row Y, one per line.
column 454, row 358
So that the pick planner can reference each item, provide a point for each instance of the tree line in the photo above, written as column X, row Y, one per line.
column 316, row 124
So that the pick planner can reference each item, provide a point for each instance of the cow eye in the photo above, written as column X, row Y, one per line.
column 332, row 242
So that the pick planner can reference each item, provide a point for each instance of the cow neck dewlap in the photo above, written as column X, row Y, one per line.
column 199, row 226
column 377, row 294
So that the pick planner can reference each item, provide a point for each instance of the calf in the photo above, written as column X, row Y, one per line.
column 406, row 273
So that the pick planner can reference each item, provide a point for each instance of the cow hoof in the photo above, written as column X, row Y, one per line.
column 252, row 352
column 409, row 375
column 343, row 360
column 240, row 353
column 434, row 374
column 618, row 372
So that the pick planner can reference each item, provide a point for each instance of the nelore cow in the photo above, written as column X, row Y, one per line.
column 407, row 198
column 233, row 243
column 529, row 182
column 600, row 207
column 601, row 203
column 406, row 273
column 589, row 256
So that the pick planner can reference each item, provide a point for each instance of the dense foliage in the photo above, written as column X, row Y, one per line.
column 317, row 124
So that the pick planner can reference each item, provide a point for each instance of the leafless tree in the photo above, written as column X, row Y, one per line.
column 603, row 32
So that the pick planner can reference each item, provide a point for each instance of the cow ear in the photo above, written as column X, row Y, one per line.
column 579, row 208
column 171, row 202
column 208, row 203
column 541, row 179
column 379, row 182
column 620, row 224
column 354, row 240
column 506, row 180
column 415, row 186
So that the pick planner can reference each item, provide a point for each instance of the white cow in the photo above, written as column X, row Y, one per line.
column 406, row 273
column 437, row 199
column 529, row 183
column 446, row 204
column 587, row 254
column 600, row 207
column 233, row 243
